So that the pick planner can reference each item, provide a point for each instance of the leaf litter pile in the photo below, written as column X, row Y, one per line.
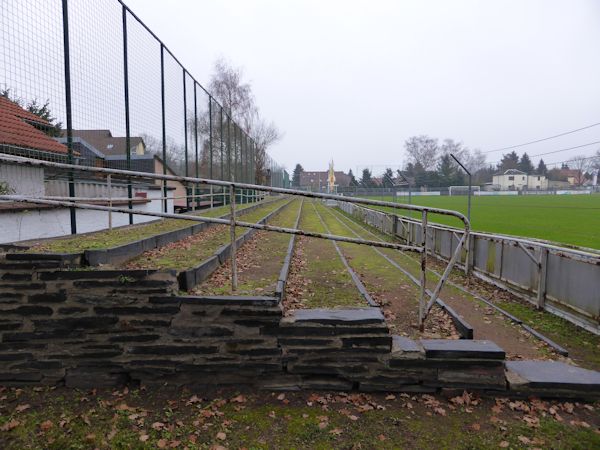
column 45, row 417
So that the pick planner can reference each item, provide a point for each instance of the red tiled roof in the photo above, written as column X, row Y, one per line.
column 16, row 130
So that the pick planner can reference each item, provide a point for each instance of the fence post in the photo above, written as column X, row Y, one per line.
column 127, row 120
column 423, row 270
column 196, row 186
column 232, row 236
column 542, row 276
column 66, row 49
column 210, row 144
column 164, row 124
column 185, row 133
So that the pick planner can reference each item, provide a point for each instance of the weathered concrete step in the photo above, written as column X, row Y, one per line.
column 462, row 349
column 406, row 348
column 349, row 317
column 218, row 300
column 552, row 378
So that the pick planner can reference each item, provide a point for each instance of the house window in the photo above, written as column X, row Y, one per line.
column 538, row 178
column 511, row 178
column 523, row 178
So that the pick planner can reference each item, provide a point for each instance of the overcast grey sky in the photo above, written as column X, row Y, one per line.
column 351, row 80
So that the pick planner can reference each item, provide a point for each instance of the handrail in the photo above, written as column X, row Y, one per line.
column 237, row 185
column 424, row 306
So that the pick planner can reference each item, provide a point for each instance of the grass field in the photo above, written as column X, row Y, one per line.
column 566, row 219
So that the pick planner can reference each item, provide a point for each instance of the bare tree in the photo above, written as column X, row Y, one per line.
column 229, row 88
column 596, row 160
column 476, row 161
column 264, row 135
column 581, row 164
column 422, row 150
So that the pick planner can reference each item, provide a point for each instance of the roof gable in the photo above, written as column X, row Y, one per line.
column 16, row 129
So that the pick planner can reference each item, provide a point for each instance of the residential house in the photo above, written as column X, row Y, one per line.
column 516, row 180
column 573, row 176
column 100, row 148
column 23, row 133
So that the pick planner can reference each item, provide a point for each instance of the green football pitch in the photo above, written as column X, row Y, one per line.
column 566, row 219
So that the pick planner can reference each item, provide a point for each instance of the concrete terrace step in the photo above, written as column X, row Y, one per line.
column 462, row 349
column 552, row 379
column 350, row 316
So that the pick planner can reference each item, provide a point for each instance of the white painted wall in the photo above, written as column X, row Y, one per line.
column 23, row 180
column 46, row 223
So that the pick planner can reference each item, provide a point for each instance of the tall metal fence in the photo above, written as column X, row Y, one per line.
column 105, row 91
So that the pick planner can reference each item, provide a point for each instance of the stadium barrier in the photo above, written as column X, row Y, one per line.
column 564, row 281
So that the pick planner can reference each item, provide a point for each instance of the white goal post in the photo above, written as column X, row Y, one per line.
column 462, row 190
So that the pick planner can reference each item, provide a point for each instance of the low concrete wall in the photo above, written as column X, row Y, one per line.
column 110, row 328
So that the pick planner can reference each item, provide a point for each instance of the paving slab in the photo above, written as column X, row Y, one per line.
column 552, row 375
column 347, row 316
column 462, row 349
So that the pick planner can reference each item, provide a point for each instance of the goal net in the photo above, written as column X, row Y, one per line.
column 462, row 190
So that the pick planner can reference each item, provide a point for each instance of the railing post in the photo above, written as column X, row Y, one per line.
column 423, row 270
column 542, row 275
column 469, row 247
column 232, row 236
column 110, row 203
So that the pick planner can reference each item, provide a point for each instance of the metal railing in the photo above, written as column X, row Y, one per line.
column 564, row 281
column 424, row 306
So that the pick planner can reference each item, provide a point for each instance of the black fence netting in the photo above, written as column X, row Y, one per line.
column 92, row 85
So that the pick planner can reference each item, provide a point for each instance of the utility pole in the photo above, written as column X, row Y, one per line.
column 469, row 174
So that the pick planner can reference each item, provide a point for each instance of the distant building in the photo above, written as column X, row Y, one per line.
column 23, row 133
column 574, row 177
column 99, row 148
column 516, row 180
column 316, row 181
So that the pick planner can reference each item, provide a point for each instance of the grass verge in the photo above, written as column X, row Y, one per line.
column 191, row 251
column 318, row 277
column 259, row 261
column 122, row 235
column 161, row 418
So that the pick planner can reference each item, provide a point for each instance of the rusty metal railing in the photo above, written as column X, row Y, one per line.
column 74, row 202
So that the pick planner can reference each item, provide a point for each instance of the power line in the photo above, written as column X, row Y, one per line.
column 557, row 151
column 542, row 140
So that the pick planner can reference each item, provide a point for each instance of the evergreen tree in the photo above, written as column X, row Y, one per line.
column 296, row 175
column 366, row 179
column 541, row 168
column 509, row 161
column 525, row 164
column 446, row 170
column 42, row 111
column 353, row 181
column 388, row 178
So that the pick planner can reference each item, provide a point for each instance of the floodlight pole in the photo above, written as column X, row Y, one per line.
column 408, row 183
column 469, row 174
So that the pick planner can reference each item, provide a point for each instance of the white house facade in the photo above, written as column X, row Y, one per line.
column 516, row 180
